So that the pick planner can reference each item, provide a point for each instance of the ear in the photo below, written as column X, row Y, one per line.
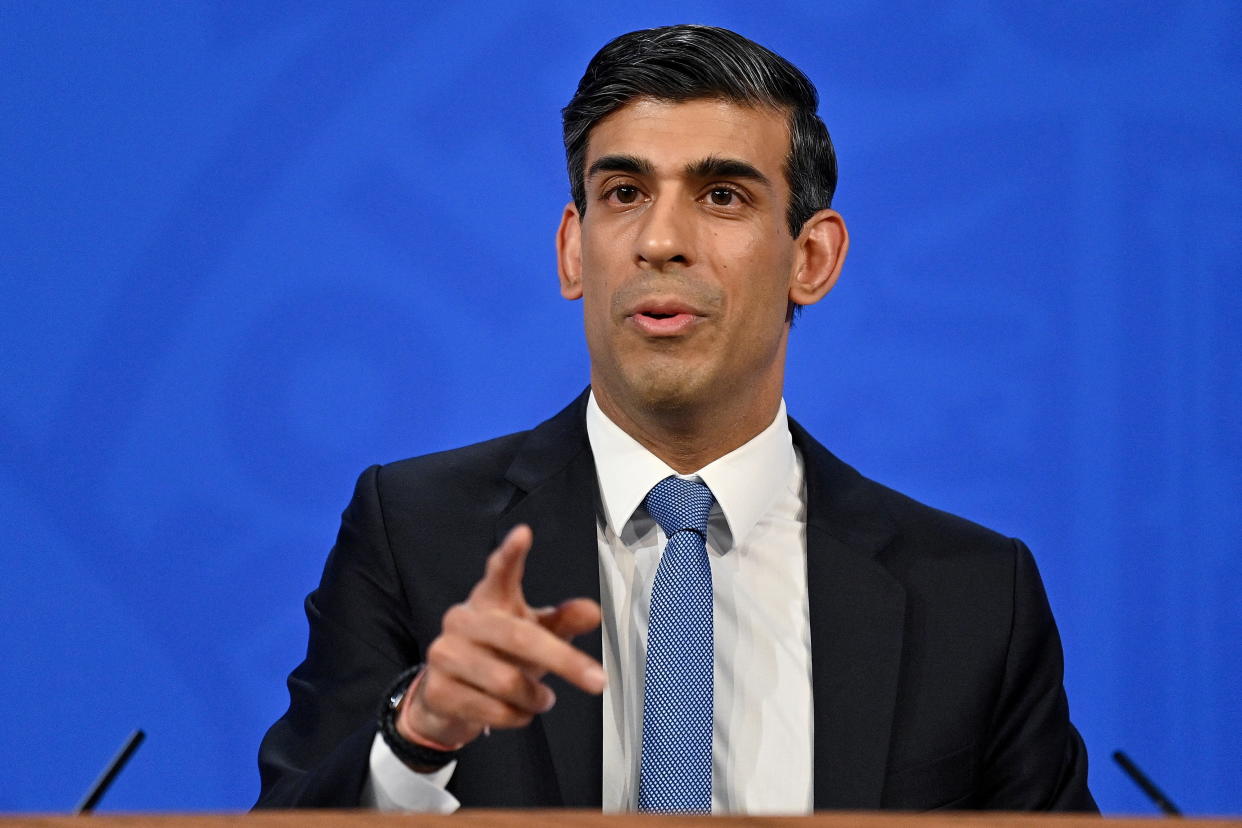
column 569, row 253
column 821, row 249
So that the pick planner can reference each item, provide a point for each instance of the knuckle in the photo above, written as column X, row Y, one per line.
column 454, row 617
column 510, row 684
column 483, row 709
column 521, row 638
column 439, row 653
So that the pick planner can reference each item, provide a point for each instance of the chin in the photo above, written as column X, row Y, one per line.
column 670, row 390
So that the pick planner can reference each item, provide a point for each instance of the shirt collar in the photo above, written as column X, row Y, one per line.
column 744, row 482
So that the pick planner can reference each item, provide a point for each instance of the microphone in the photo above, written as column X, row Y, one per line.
column 1153, row 793
column 110, row 773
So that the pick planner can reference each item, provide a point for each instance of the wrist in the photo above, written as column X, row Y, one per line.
column 418, row 753
column 410, row 730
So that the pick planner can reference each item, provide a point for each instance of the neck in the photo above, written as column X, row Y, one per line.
column 687, row 437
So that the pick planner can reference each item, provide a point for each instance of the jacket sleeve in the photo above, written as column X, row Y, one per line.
column 316, row 754
column 1036, row 759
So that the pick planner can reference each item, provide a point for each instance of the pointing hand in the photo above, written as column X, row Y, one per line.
column 486, row 667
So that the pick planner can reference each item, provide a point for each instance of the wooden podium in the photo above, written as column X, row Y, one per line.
column 588, row 819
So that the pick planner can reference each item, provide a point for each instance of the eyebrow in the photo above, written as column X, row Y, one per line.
column 716, row 167
column 631, row 164
column 711, row 167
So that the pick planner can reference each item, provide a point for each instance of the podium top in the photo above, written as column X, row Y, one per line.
column 476, row 818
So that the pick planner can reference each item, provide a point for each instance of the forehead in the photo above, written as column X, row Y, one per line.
column 672, row 134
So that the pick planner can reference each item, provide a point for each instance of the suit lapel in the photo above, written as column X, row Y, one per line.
column 556, row 472
column 857, row 612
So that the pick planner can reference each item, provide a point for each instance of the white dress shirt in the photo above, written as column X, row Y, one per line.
column 762, row 747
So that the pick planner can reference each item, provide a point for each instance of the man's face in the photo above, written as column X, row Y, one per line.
column 683, row 258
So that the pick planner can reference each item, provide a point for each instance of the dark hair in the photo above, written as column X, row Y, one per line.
column 683, row 63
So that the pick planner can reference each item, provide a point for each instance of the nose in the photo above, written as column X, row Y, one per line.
column 665, row 235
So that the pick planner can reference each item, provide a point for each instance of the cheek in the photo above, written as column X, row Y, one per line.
column 597, row 312
column 760, row 278
column 596, row 293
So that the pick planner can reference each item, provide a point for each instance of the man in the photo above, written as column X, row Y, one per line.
column 778, row 633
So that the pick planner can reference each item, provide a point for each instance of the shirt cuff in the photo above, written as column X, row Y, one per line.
column 392, row 786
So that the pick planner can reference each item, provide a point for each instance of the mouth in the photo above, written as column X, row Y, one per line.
column 664, row 318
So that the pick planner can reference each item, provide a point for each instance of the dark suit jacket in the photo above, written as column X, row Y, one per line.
column 936, row 662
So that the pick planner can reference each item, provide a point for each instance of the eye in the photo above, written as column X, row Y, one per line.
column 624, row 194
column 722, row 196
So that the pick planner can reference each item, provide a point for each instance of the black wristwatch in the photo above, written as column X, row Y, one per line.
column 409, row 752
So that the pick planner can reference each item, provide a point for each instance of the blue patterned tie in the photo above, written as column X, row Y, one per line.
column 676, row 770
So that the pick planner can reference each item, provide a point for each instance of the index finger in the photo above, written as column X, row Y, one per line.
column 501, row 584
column 540, row 651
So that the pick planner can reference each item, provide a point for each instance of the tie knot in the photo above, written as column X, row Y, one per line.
column 678, row 504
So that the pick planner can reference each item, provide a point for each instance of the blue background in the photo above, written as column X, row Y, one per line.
column 250, row 248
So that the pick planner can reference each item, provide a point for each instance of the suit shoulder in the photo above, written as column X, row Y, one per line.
column 466, row 471
column 857, row 508
column 954, row 570
column 934, row 528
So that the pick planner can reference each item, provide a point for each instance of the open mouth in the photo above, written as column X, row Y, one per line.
column 664, row 321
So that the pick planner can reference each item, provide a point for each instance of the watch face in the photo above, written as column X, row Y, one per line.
column 402, row 686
